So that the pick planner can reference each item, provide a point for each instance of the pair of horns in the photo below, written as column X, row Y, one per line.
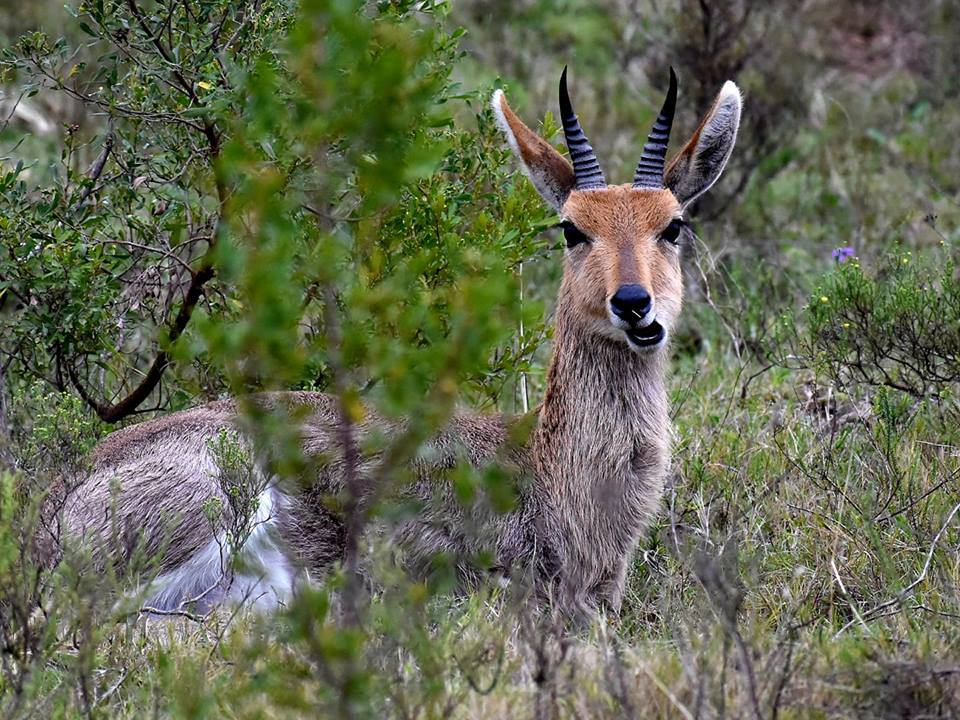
column 586, row 167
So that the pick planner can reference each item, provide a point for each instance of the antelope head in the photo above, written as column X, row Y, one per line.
column 622, row 275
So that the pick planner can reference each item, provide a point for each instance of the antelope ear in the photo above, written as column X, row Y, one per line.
column 696, row 168
column 551, row 174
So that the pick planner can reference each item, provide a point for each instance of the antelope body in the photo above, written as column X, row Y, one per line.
column 593, row 467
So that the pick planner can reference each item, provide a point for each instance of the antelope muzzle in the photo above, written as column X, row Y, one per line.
column 632, row 310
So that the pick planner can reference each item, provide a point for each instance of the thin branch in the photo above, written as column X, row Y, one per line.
column 113, row 688
column 147, row 610
column 158, row 251
column 13, row 110
column 118, row 411
column 876, row 611
column 96, row 168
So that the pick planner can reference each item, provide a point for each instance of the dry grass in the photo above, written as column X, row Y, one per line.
column 803, row 567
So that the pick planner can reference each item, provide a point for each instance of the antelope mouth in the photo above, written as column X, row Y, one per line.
column 647, row 337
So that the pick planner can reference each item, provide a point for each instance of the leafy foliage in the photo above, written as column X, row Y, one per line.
column 245, row 195
column 897, row 326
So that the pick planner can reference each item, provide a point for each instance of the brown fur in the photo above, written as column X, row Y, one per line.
column 537, row 151
column 550, row 172
column 623, row 224
column 589, row 478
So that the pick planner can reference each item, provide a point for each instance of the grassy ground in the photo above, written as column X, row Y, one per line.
column 805, row 563
column 804, row 566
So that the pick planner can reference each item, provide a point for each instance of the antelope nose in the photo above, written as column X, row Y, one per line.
column 631, row 302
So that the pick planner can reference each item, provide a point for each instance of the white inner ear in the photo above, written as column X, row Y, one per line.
column 717, row 139
column 725, row 122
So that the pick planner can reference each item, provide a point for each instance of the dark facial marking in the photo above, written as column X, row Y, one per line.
column 572, row 234
column 671, row 233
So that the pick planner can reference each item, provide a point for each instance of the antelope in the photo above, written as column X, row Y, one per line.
column 591, row 471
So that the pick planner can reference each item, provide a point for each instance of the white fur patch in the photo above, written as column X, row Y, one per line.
column 266, row 578
column 496, row 102
column 726, row 115
column 197, row 581
column 730, row 91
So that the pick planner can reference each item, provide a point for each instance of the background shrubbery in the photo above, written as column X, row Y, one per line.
column 214, row 197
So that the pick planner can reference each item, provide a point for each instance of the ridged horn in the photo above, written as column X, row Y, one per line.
column 586, row 168
column 650, row 169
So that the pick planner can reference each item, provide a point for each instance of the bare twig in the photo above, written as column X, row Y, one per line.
column 112, row 689
column 96, row 168
column 853, row 608
column 119, row 410
column 877, row 611
column 674, row 700
column 148, row 610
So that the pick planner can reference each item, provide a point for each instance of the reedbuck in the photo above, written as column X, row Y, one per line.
column 590, row 474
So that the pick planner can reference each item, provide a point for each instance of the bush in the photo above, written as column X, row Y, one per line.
column 245, row 195
column 896, row 324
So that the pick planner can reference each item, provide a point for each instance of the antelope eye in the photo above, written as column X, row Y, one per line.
column 671, row 233
column 572, row 234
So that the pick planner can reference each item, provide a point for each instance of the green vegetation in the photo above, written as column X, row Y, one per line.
column 212, row 197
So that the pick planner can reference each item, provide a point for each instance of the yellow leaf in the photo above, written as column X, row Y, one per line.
column 204, row 84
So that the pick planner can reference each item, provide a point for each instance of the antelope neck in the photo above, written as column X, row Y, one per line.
column 601, row 401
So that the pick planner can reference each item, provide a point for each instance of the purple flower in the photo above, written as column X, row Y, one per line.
column 841, row 255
